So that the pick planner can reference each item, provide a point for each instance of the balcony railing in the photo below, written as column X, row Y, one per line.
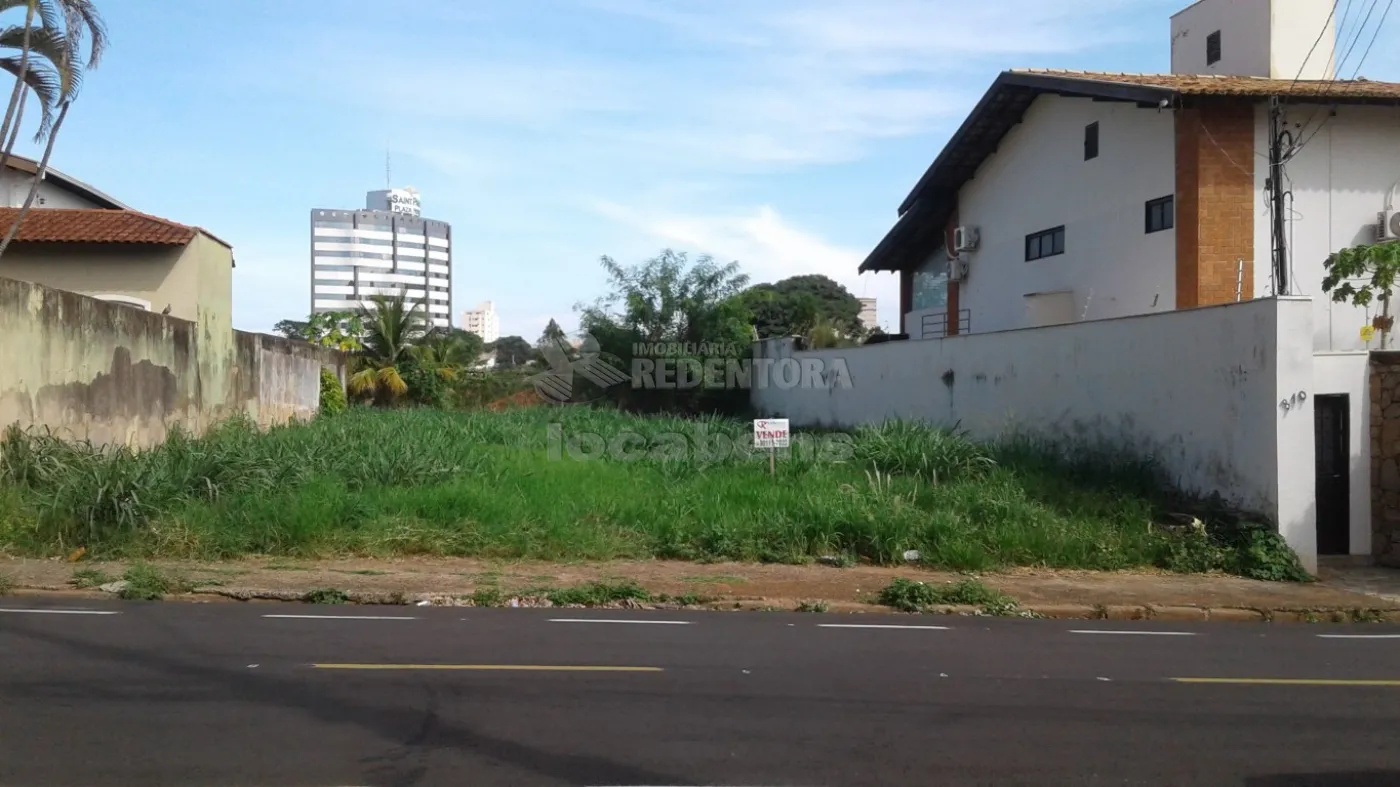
column 935, row 325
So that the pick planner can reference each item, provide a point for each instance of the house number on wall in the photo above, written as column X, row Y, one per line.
column 1293, row 401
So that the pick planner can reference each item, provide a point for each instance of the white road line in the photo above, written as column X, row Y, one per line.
column 875, row 626
column 61, row 611
column 597, row 620
column 1143, row 633
column 340, row 617
column 1359, row 636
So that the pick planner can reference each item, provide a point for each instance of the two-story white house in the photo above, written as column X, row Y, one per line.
column 1068, row 197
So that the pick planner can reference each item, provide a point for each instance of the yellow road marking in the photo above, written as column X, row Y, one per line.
column 1289, row 682
column 485, row 667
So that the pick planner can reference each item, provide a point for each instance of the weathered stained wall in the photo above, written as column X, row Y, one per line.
column 1220, row 396
column 1385, row 458
column 114, row 374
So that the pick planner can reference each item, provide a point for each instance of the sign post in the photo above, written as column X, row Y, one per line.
column 771, row 433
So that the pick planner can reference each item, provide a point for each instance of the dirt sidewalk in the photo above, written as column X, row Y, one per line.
column 1072, row 594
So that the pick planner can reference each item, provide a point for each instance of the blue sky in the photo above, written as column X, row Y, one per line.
column 779, row 133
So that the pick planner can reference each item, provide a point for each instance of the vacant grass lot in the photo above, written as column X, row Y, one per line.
column 510, row 485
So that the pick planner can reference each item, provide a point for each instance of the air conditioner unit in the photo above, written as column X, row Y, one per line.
column 957, row 269
column 965, row 239
column 1388, row 228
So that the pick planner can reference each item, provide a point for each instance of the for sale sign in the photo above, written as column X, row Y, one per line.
column 770, row 433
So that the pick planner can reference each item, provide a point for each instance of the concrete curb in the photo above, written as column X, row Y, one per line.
column 1123, row 612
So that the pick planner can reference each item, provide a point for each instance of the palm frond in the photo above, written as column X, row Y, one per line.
column 82, row 21
column 362, row 383
column 44, row 82
column 389, row 378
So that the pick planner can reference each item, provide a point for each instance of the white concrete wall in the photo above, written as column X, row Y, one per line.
column 14, row 189
column 1260, row 38
column 1339, row 182
column 1038, row 179
column 1201, row 390
column 1244, row 37
column 1349, row 373
column 1294, row 28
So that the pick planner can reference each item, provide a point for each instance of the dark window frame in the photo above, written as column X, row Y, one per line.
column 1164, row 210
column 1213, row 48
column 1091, row 141
column 1046, row 243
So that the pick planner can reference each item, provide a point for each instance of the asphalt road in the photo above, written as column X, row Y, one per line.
column 224, row 695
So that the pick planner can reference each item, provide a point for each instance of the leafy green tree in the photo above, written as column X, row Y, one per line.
column 512, row 352
column 344, row 331
column 552, row 333
column 1362, row 275
column 668, row 299
column 292, row 329
column 797, row 305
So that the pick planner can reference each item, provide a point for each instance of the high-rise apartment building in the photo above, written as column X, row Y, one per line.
column 386, row 249
column 483, row 322
column 869, row 318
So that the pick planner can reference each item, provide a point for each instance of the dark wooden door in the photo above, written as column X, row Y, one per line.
column 1331, row 418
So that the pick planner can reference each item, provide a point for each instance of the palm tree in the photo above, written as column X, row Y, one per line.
column 54, row 76
column 393, row 326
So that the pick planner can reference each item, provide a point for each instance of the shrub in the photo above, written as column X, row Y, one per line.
column 332, row 394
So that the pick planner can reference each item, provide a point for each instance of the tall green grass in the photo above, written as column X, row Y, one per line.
column 382, row 483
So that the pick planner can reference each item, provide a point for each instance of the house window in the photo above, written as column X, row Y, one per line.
column 1213, row 48
column 1091, row 141
column 931, row 282
column 1161, row 214
column 1046, row 243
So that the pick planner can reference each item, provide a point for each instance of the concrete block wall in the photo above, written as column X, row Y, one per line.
column 110, row 373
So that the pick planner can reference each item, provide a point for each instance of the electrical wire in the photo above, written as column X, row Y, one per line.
column 1325, row 26
column 1366, row 53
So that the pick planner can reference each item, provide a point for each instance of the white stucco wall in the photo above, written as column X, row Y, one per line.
column 1038, row 179
column 1349, row 373
column 1261, row 38
column 1339, row 182
column 14, row 189
column 1201, row 390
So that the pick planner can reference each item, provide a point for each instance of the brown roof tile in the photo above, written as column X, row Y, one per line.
column 1255, row 87
column 59, row 225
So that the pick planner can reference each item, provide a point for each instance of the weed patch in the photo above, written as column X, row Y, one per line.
column 488, row 597
column 90, row 578
column 7, row 584
column 326, row 596
column 145, row 582
column 597, row 594
column 910, row 596
column 812, row 606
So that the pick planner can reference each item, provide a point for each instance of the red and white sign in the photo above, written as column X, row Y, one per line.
column 770, row 433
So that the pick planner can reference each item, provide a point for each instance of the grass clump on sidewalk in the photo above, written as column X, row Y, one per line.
column 145, row 582
column 576, row 483
column 910, row 596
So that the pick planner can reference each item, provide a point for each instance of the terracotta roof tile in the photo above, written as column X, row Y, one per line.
column 1210, row 85
column 59, row 225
